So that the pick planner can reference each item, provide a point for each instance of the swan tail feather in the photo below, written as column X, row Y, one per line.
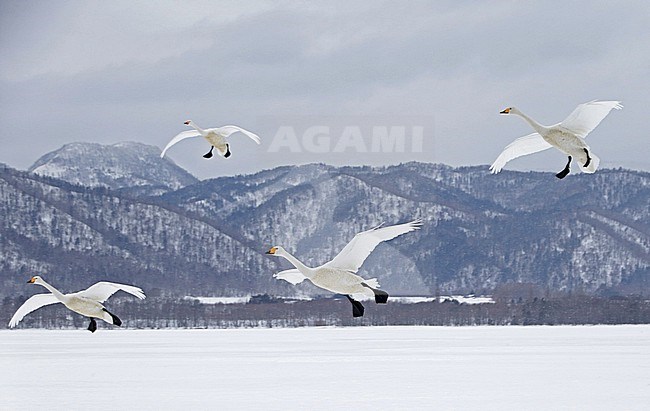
column 293, row 276
column 372, row 283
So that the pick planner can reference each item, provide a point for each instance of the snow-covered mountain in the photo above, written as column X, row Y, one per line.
column 129, row 165
column 587, row 233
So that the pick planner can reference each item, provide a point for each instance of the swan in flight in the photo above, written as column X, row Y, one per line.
column 567, row 136
column 86, row 302
column 215, row 136
column 339, row 275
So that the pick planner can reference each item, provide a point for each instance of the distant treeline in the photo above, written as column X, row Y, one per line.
column 266, row 311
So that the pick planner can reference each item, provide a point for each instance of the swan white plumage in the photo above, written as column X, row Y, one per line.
column 567, row 136
column 215, row 136
column 86, row 302
column 339, row 275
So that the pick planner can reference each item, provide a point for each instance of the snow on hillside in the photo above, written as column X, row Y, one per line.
column 393, row 299
column 121, row 165
column 209, row 237
column 220, row 300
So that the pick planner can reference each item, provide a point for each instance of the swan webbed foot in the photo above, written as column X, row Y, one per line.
column 562, row 174
column 92, row 327
column 381, row 297
column 357, row 307
column 209, row 153
column 566, row 171
column 588, row 158
column 227, row 151
column 116, row 320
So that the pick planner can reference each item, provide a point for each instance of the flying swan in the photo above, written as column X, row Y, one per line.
column 86, row 302
column 567, row 136
column 215, row 136
column 338, row 275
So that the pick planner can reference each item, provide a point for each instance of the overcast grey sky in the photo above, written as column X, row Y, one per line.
column 115, row 71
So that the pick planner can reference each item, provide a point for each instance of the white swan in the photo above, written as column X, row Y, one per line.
column 86, row 302
column 338, row 275
column 215, row 136
column 567, row 136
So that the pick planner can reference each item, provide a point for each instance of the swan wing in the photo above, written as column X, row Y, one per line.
column 356, row 251
column 587, row 116
column 293, row 276
column 101, row 291
column 33, row 303
column 532, row 143
column 226, row 131
column 180, row 137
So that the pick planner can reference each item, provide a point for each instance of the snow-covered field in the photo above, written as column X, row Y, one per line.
column 378, row 368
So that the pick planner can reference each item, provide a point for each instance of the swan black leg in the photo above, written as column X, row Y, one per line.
column 357, row 307
column 92, row 327
column 227, row 151
column 381, row 297
column 566, row 170
column 209, row 153
column 588, row 158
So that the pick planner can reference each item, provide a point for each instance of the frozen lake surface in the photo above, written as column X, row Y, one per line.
column 516, row 368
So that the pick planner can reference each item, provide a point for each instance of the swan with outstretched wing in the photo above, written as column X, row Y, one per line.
column 339, row 275
column 215, row 136
column 567, row 136
column 87, row 302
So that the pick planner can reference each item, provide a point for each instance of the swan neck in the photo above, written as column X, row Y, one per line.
column 534, row 124
column 197, row 128
column 306, row 271
column 60, row 296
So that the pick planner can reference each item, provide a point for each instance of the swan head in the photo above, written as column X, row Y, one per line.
column 276, row 250
column 35, row 280
column 188, row 122
column 509, row 110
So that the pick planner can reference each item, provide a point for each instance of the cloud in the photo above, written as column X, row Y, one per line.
column 72, row 37
column 113, row 71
